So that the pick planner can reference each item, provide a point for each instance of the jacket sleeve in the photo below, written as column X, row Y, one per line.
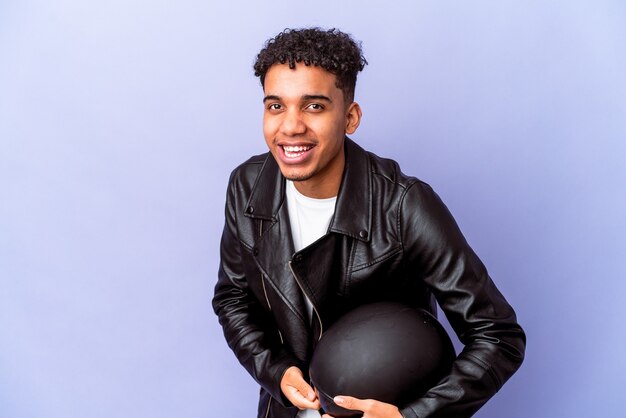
column 248, row 328
column 484, row 321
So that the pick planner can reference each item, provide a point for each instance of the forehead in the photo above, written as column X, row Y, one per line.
column 281, row 80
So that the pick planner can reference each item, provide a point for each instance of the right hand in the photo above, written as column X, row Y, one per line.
column 297, row 390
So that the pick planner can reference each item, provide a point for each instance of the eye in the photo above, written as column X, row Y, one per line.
column 274, row 106
column 315, row 107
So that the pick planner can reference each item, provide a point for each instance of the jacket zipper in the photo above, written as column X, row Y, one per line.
column 265, row 292
column 269, row 305
column 319, row 319
column 267, row 413
column 267, row 299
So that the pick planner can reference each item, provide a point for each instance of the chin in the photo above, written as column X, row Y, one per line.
column 296, row 175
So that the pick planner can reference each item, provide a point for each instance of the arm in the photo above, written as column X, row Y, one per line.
column 249, row 329
column 482, row 318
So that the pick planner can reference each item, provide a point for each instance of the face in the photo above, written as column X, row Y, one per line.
column 304, row 123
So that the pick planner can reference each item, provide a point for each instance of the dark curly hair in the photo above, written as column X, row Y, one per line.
column 332, row 50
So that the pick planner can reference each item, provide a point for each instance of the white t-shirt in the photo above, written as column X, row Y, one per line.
column 309, row 219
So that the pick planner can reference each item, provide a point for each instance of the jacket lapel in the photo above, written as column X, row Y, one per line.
column 353, row 211
column 273, row 243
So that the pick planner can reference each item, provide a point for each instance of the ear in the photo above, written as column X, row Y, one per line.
column 353, row 117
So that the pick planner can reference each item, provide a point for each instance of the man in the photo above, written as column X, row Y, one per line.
column 318, row 226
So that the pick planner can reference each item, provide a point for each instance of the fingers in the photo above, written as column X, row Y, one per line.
column 349, row 402
column 299, row 400
column 297, row 390
column 307, row 391
column 371, row 408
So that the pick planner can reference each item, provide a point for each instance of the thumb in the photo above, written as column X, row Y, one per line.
column 348, row 402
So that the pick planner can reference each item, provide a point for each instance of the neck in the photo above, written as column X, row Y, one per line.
column 323, row 185
column 318, row 190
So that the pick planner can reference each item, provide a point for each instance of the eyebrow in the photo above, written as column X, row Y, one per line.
column 306, row 97
column 270, row 97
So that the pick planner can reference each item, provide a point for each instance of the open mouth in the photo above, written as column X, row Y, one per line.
column 295, row 151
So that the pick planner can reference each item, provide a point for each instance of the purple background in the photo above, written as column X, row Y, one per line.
column 121, row 120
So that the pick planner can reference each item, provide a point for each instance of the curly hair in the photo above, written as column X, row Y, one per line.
column 332, row 50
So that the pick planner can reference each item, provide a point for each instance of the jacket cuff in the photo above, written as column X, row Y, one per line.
column 276, row 392
column 408, row 413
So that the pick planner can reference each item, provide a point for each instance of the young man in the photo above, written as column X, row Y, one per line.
column 318, row 226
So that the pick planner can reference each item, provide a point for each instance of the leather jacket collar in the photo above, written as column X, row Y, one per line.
column 350, row 219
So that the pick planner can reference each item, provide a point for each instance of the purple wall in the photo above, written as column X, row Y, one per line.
column 121, row 120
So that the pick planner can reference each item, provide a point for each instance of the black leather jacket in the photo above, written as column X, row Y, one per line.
column 391, row 238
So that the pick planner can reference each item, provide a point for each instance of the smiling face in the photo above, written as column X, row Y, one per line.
column 304, row 123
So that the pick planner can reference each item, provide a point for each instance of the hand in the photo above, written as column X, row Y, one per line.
column 297, row 390
column 369, row 407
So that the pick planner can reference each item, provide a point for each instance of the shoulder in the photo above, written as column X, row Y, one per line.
column 387, row 171
column 410, row 193
column 243, row 179
column 245, row 175
column 249, row 169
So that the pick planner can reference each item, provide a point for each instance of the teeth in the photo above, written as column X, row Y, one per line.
column 297, row 148
column 294, row 151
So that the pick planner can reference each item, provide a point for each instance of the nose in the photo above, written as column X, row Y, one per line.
column 292, row 123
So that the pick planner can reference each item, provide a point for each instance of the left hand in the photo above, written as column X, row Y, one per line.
column 369, row 407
